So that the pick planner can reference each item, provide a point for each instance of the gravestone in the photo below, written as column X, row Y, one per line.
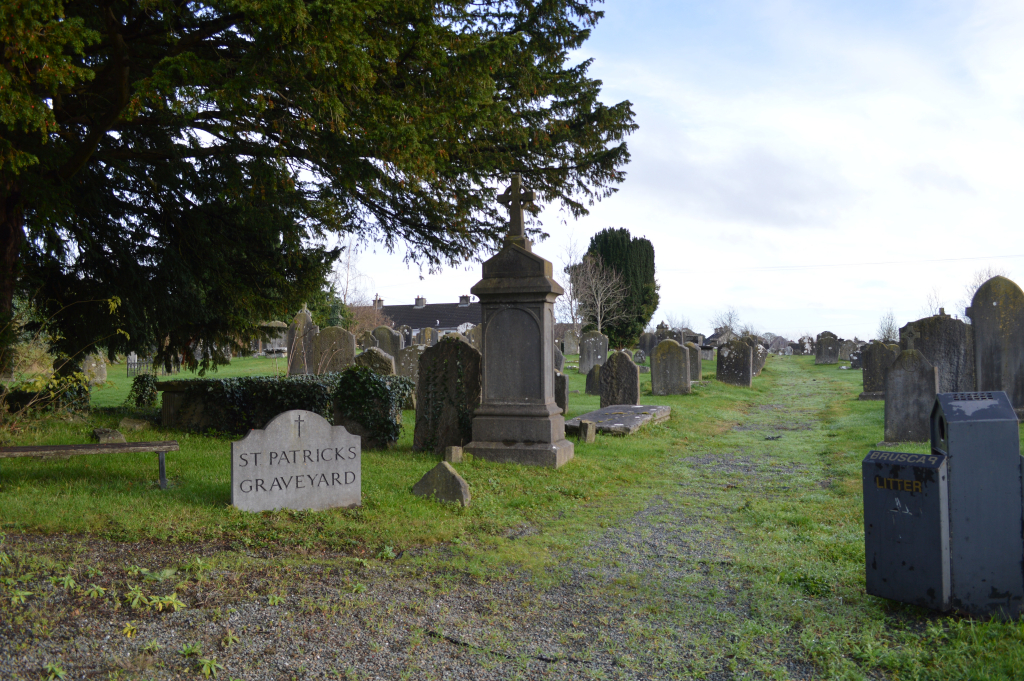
column 518, row 420
column 95, row 368
column 302, row 334
column 593, row 350
column 857, row 360
column 106, row 436
column 670, row 369
column 335, row 350
column 662, row 332
column 619, row 419
column 586, row 430
column 408, row 362
column 593, row 384
column 695, row 359
column 620, row 381
column 735, row 364
column 388, row 340
column 979, row 434
column 443, row 484
column 948, row 344
column 906, row 527
column 826, row 348
column 997, row 317
column 447, row 392
column 559, row 359
column 639, row 356
column 758, row 356
column 570, row 343
column 475, row 336
column 277, row 338
column 561, row 391
column 406, row 332
column 648, row 341
column 806, row 345
column 298, row 461
column 378, row 361
column 367, row 340
column 911, row 384
column 876, row 357
column 428, row 337
column 846, row 349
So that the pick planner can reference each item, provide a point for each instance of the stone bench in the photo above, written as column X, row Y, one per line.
column 66, row 451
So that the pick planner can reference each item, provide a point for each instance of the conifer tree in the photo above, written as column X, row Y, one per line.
column 633, row 258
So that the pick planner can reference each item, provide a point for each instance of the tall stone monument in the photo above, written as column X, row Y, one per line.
column 302, row 333
column 518, row 420
column 997, row 315
column 948, row 344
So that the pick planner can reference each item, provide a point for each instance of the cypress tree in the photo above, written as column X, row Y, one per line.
column 633, row 258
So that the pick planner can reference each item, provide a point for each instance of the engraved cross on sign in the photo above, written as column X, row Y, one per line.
column 299, row 422
column 910, row 335
column 513, row 199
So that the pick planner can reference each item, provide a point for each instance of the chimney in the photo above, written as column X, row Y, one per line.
column 378, row 303
column 463, row 301
column 420, row 302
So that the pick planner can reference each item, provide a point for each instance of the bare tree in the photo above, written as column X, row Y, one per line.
column 933, row 302
column 748, row 329
column 888, row 331
column 727, row 319
column 972, row 286
column 367, row 318
column 351, row 284
column 677, row 321
column 600, row 291
column 567, row 306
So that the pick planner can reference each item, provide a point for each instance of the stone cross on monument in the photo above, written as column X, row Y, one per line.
column 514, row 198
column 910, row 335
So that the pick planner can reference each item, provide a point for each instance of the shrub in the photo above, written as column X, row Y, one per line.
column 374, row 402
column 143, row 392
column 69, row 392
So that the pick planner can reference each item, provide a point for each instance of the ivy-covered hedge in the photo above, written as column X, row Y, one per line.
column 235, row 405
column 60, row 393
column 143, row 392
column 370, row 405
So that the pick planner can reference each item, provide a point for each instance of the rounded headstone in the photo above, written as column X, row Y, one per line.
column 670, row 369
column 620, row 380
column 911, row 384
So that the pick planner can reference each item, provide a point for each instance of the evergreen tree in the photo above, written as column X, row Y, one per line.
column 188, row 159
column 633, row 259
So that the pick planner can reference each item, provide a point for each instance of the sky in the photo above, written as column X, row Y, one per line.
column 812, row 164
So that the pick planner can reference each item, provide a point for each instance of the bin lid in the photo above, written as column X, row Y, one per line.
column 991, row 405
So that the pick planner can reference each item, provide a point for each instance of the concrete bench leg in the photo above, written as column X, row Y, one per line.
column 163, row 471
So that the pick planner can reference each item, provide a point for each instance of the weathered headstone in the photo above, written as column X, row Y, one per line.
column 826, row 348
column 806, row 344
column 857, row 360
column 846, row 349
column 620, row 380
column 570, row 343
column 593, row 350
column 108, row 436
column 948, row 344
column 620, row 419
column 428, row 337
column 476, row 336
column 648, row 341
column 301, row 335
column 443, row 484
column 453, row 454
column 670, row 369
column 877, row 357
column 447, row 392
column 518, row 420
column 587, row 431
column 559, row 360
column 997, row 316
column 911, row 384
column 695, row 359
column 662, row 332
column 408, row 362
column 95, row 368
column 593, row 384
column 367, row 340
column 735, row 364
column 388, row 340
column 758, row 356
column 335, row 349
column 406, row 332
column 561, row 391
column 376, row 360
column 298, row 461
column 639, row 356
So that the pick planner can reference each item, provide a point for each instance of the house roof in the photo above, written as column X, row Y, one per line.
column 436, row 315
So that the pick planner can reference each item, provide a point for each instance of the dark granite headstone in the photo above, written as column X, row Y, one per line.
column 695, row 359
column 388, row 340
column 670, row 369
column 877, row 357
column 561, row 391
column 648, row 341
column 593, row 350
column 826, row 348
column 949, row 345
column 856, row 360
column 735, row 364
column 906, row 528
column 593, row 386
column 997, row 316
column 911, row 384
column 980, row 435
column 620, row 380
column 447, row 393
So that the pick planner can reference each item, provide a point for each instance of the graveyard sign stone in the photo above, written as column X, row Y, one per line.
column 877, row 357
column 906, row 528
column 593, row 350
column 593, row 385
column 388, row 340
column 299, row 461
column 518, row 420
column 948, row 344
column 447, row 393
column 620, row 381
column 302, row 334
column 735, row 364
column 911, row 384
column 997, row 318
column 670, row 369
column 826, row 348
column 376, row 360
column 335, row 350
column 695, row 358
column 979, row 434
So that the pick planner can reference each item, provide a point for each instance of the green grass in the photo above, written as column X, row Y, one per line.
column 789, row 546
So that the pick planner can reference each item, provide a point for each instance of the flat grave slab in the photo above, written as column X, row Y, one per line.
column 620, row 419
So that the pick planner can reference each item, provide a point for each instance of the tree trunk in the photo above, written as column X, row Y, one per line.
column 12, row 236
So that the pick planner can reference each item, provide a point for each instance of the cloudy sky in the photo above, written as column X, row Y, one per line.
column 811, row 163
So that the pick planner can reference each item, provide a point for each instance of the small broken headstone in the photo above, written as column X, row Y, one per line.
column 444, row 484
column 453, row 454
column 588, row 431
column 132, row 424
column 377, row 361
column 106, row 436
